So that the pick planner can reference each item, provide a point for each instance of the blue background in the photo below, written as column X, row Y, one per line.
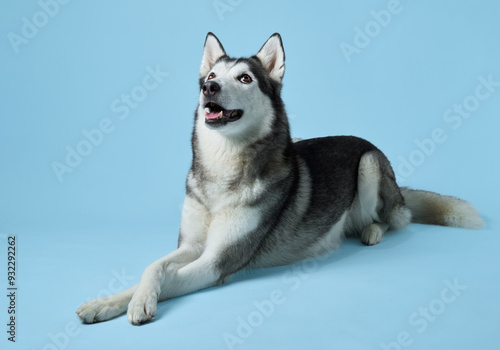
column 117, row 211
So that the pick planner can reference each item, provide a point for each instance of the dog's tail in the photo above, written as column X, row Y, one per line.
column 436, row 209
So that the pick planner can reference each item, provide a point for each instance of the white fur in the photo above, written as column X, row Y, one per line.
column 464, row 215
column 433, row 208
column 368, row 186
column 364, row 208
column 142, row 306
column 227, row 145
column 272, row 57
column 256, row 106
column 212, row 51
column 372, row 234
column 102, row 309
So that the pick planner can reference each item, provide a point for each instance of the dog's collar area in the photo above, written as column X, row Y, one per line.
column 216, row 115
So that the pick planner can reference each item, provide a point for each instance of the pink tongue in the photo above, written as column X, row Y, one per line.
column 212, row 115
column 215, row 115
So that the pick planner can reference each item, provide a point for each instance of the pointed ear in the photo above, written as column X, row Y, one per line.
column 212, row 51
column 272, row 57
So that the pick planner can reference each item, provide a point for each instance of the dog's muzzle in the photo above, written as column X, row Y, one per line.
column 216, row 115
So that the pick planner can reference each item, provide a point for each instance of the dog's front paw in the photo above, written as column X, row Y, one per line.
column 98, row 310
column 142, row 307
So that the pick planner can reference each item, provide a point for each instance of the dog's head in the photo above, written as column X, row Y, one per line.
column 237, row 95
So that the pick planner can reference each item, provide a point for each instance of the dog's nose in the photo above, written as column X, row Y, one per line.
column 210, row 88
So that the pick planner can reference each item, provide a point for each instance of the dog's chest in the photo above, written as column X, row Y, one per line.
column 225, row 185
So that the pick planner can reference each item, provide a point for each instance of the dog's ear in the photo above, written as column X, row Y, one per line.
column 272, row 57
column 212, row 51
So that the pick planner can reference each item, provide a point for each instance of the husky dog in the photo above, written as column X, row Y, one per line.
column 255, row 198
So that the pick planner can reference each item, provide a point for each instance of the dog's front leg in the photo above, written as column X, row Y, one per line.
column 160, row 283
column 142, row 306
column 163, row 280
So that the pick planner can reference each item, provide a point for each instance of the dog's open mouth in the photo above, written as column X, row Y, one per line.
column 216, row 115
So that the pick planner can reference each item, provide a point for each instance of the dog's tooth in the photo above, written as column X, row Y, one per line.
column 207, row 109
column 220, row 115
column 234, row 113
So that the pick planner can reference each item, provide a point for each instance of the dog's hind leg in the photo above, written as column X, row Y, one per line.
column 381, row 202
column 392, row 210
column 372, row 234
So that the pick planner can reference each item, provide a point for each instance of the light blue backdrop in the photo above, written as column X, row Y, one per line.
column 97, row 102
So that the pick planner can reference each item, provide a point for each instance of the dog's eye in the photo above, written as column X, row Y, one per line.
column 211, row 76
column 245, row 78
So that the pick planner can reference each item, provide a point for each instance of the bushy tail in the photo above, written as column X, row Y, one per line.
column 435, row 209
